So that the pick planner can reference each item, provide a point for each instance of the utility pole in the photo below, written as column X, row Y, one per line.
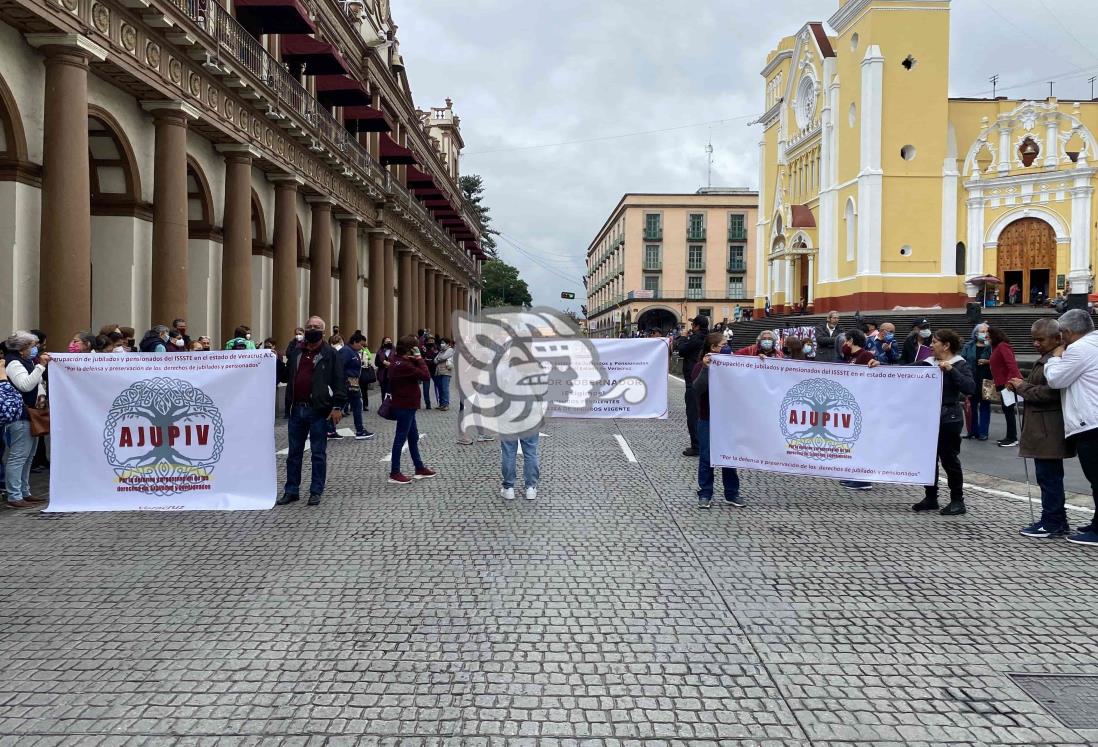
column 1091, row 81
column 709, row 166
column 994, row 83
column 1050, row 85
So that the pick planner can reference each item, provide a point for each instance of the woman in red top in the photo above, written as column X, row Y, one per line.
column 1004, row 367
column 854, row 351
column 766, row 345
column 406, row 372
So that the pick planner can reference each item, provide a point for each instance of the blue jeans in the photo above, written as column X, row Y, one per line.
column 729, row 476
column 981, row 416
column 531, row 469
column 442, row 390
column 1050, row 478
column 406, row 433
column 304, row 423
column 427, row 394
column 17, row 459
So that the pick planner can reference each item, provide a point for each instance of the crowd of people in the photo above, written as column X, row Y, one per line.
column 1059, row 397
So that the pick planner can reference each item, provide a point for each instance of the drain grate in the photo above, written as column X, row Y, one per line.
column 1071, row 698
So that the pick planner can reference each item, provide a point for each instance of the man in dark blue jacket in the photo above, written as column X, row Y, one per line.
column 689, row 347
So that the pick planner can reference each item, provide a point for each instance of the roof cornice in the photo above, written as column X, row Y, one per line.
column 852, row 9
column 779, row 58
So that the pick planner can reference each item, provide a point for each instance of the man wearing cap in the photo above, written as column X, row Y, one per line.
column 690, row 347
column 917, row 344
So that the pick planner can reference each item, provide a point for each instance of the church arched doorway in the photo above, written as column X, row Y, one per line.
column 1026, row 257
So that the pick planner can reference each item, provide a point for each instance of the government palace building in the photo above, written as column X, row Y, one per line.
column 878, row 190
column 230, row 162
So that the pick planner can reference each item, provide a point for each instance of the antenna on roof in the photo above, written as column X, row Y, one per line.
column 709, row 167
column 994, row 83
column 1091, row 81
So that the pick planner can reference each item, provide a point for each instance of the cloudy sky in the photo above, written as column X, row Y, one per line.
column 530, row 78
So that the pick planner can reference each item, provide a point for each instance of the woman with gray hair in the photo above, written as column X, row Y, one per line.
column 26, row 376
column 155, row 340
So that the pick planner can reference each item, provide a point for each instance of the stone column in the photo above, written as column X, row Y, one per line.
column 375, row 301
column 64, row 290
column 284, row 290
column 421, row 294
column 811, row 279
column 236, row 255
column 431, row 300
column 348, row 275
column 388, row 287
column 169, row 239
column 447, row 307
column 439, row 304
column 320, row 259
column 406, row 324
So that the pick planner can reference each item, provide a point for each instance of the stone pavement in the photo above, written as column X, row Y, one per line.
column 609, row 612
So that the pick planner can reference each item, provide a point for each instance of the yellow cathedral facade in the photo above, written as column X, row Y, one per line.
column 877, row 190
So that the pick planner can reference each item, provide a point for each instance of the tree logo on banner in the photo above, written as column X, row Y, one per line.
column 163, row 437
column 820, row 420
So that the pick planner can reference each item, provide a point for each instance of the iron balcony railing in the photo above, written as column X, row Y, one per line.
column 653, row 234
column 737, row 265
column 653, row 265
column 737, row 233
column 695, row 266
column 695, row 234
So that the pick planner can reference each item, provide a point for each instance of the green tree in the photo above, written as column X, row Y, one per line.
column 503, row 286
column 472, row 188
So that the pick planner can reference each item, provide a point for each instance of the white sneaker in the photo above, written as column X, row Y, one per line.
column 531, row 493
column 486, row 438
column 507, row 494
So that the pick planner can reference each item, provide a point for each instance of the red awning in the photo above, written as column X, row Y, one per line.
column 368, row 119
column 393, row 153
column 802, row 217
column 274, row 17
column 418, row 179
column 341, row 90
column 313, row 56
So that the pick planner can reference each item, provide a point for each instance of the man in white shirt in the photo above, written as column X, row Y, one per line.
column 1073, row 367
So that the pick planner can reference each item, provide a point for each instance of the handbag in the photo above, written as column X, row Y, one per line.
column 11, row 403
column 385, row 411
column 352, row 384
column 988, row 392
column 39, row 420
column 369, row 375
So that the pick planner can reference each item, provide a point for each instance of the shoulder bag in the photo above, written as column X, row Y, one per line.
column 988, row 392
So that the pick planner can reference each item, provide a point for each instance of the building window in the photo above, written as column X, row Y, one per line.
column 735, row 286
column 735, row 258
column 694, row 286
column 737, row 228
column 652, row 257
column 696, row 227
column 652, row 230
column 695, row 257
column 652, row 283
column 851, row 231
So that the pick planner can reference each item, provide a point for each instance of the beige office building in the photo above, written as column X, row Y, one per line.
column 226, row 161
column 661, row 259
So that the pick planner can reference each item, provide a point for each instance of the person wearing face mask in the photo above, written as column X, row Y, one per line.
column 729, row 476
column 382, row 361
column 155, row 340
column 977, row 354
column 766, row 346
column 352, row 367
column 444, row 369
column 885, row 349
column 316, row 390
column 26, row 375
column 241, row 340
column 205, row 343
column 176, row 342
column 299, row 334
column 430, row 350
column 917, row 345
column 180, row 326
column 792, row 348
column 406, row 373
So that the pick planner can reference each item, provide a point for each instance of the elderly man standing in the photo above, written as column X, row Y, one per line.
column 1073, row 368
column 829, row 340
column 1043, row 434
column 884, row 346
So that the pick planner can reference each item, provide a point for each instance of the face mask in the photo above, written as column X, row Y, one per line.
column 767, row 344
column 387, row 345
column 443, row 346
column 120, row 349
column 34, row 352
column 889, row 337
column 415, row 352
column 981, row 336
column 808, row 350
column 178, row 342
column 924, row 333
column 74, row 347
column 248, row 336
column 299, row 338
column 312, row 336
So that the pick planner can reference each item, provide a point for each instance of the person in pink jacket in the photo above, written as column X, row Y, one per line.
column 1004, row 367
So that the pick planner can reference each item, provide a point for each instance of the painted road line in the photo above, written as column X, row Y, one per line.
column 625, row 448
column 404, row 450
column 345, row 432
column 1015, row 496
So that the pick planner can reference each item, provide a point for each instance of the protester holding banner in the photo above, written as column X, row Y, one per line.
column 316, row 390
column 407, row 371
column 1073, row 368
column 957, row 382
column 854, row 350
column 689, row 349
column 21, row 349
column 1043, row 434
column 766, row 345
column 729, row 477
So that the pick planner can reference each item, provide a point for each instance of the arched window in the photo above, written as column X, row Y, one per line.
column 303, row 259
column 259, row 228
column 13, row 144
column 199, row 211
column 960, row 259
column 115, row 189
column 851, row 219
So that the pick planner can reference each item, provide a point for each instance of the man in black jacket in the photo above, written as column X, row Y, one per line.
column 316, row 390
column 690, row 348
column 829, row 340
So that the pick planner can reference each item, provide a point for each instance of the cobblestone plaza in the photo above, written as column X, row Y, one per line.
column 608, row 612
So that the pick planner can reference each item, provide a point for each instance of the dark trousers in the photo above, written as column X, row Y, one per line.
column 427, row 394
column 1011, row 422
column 981, row 416
column 1050, row 478
column 305, row 422
column 949, row 459
column 1086, row 444
column 692, row 415
column 406, row 433
column 729, row 476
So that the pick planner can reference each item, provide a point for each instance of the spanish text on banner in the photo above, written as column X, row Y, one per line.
column 162, row 432
column 630, row 379
column 825, row 419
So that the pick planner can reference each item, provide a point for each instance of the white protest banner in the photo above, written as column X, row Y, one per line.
column 825, row 419
column 162, row 431
column 632, row 384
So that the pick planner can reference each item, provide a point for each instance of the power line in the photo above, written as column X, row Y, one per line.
column 530, row 256
column 1067, row 29
column 608, row 137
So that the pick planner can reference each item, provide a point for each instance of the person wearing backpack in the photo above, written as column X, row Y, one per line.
column 26, row 377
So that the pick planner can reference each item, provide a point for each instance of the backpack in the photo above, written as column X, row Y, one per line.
column 11, row 403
